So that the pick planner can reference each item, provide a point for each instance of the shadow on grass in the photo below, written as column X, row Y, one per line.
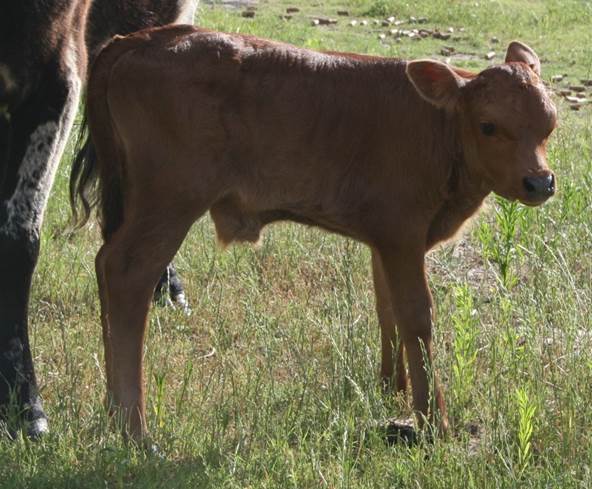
column 117, row 469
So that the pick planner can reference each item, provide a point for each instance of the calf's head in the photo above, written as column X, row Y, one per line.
column 505, row 118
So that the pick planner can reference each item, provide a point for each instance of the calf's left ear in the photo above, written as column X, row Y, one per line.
column 520, row 52
column 436, row 82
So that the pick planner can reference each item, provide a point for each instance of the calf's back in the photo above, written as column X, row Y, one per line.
column 264, row 131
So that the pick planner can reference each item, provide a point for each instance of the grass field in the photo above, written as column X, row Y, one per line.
column 290, row 397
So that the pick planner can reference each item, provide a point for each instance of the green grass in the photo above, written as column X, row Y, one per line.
column 291, row 397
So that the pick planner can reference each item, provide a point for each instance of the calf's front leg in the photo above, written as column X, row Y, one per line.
column 388, row 331
column 404, row 271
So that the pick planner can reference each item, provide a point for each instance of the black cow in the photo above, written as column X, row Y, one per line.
column 45, row 46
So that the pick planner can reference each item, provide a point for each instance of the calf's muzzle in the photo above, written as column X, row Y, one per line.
column 540, row 187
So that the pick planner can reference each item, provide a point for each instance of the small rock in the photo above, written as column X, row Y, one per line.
column 363, row 22
column 447, row 51
column 451, row 30
column 353, row 23
column 572, row 99
column 422, row 20
column 325, row 21
column 565, row 92
column 394, row 32
column 423, row 33
column 292, row 10
column 376, row 22
column 382, row 37
column 315, row 22
column 412, row 20
column 441, row 35
column 556, row 78
column 494, row 40
column 248, row 14
column 390, row 19
column 586, row 83
column 343, row 13
column 462, row 29
column 385, row 23
column 577, row 88
column 490, row 55
column 399, row 22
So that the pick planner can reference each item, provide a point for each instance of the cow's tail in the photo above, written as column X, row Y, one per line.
column 96, row 178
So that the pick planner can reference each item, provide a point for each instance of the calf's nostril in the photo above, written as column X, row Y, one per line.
column 528, row 185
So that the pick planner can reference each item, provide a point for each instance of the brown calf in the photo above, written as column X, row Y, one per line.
column 395, row 154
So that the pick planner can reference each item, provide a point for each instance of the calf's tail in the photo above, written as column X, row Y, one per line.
column 96, row 177
column 83, row 177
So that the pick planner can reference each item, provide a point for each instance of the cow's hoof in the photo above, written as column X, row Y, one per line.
column 35, row 420
column 181, row 301
column 33, row 429
column 153, row 450
column 148, row 446
column 401, row 433
column 37, row 428
column 177, row 301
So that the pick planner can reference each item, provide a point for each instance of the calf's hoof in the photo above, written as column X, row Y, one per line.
column 398, row 432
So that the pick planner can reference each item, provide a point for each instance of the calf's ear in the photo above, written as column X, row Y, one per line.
column 520, row 52
column 435, row 82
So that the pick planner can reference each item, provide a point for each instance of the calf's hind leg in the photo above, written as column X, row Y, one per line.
column 128, row 267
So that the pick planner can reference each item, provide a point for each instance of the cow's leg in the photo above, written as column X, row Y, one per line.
column 169, row 281
column 412, row 305
column 186, row 13
column 19, row 396
column 169, row 286
column 40, row 128
column 388, row 330
column 129, row 265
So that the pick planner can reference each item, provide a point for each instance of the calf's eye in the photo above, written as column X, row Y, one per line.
column 487, row 128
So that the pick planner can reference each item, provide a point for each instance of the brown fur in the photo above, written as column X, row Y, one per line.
column 386, row 152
